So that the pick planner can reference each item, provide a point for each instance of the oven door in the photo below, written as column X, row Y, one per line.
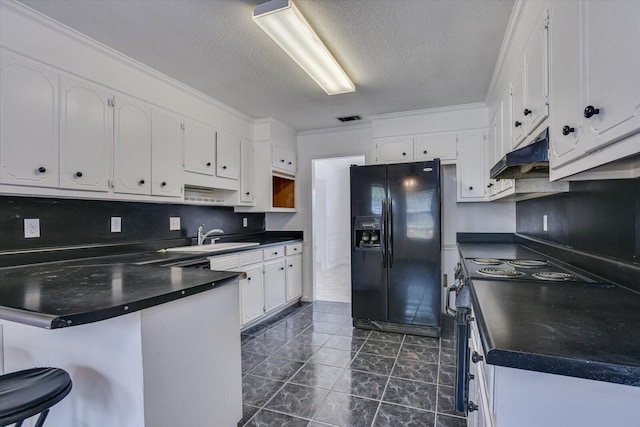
column 462, row 358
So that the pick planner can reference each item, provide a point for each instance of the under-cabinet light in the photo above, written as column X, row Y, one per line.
column 284, row 23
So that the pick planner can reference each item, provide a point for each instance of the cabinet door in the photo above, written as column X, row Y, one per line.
column 86, row 135
column 246, row 172
column 294, row 277
column 471, row 167
column 612, row 66
column 291, row 162
column 274, row 285
column 252, row 295
column 228, row 156
column 278, row 157
column 565, row 75
column 517, row 97
column 167, row 138
column 132, row 146
column 199, row 148
column 429, row 147
column 537, row 86
column 395, row 150
column 28, row 123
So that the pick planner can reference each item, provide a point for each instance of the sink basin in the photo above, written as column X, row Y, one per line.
column 215, row 247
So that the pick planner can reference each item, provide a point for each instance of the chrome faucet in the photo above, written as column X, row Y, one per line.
column 202, row 236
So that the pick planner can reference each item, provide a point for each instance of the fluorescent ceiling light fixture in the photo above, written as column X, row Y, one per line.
column 284, row 23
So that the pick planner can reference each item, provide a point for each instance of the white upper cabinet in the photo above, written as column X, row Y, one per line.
column 471, row 172
column 437, row 146
column 246, row 172
column 228, row 156
column 28, row 123
column 393, row 150
column 595, row 98
column 283, row 159
column 530, row 88
column 132, row 146
column 199, row 148
column 167, row 138
column 86, row 135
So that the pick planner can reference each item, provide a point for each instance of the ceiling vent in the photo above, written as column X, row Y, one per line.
column 349, row 118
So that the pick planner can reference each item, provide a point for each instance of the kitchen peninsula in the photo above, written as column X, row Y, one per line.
column 144, row 344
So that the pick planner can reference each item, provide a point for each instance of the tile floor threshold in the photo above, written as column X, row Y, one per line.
column 309, row 367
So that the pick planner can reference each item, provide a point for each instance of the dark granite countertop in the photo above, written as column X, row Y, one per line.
column 61, row 293
column 579, row 330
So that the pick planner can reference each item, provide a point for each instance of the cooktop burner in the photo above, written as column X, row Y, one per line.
column 554, row 276
column 528, row 263
column 500, row 272
column 486, row 261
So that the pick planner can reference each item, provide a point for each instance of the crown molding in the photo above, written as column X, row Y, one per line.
column 447, row 109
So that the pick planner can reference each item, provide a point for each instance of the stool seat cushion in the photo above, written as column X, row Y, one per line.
column 29, row 392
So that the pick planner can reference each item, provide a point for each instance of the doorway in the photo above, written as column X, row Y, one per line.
column 331, row 225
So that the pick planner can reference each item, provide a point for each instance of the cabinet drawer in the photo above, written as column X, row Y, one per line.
column 272, row 253
column 293, row 249
column 226, row 262
column 251, row 257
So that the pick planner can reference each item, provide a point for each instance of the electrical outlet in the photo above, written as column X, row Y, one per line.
column 116, row 224
column 174, row 223
column 244, row 222
column 31, row 228
column 544, row 223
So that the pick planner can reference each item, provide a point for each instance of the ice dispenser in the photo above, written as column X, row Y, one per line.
column 367, row 232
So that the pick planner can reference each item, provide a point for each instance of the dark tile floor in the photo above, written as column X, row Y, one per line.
column 309, row 367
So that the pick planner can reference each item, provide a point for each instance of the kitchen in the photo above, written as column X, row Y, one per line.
column 595, row 212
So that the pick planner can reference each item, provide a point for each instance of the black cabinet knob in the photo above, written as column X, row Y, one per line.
column 472, row 406
column 290, row 163
column 590, row 111
column 208, row 164
column 475, row 357
column 566, row 130
column 42, row 169
column 490, row 185
column 248, row 278
column 141, row 182
column 470, row 188
column 247, row 193
column 404, row 154
column 163, row 184
column 224, row 167
column 78, row 174
column 281, row 160
column 290, row 265
column 424, row 152
column 517, row 124
column 470, row 376
column 281, row 268
column 526, row 111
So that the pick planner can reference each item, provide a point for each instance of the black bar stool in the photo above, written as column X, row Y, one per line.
column 24, row 394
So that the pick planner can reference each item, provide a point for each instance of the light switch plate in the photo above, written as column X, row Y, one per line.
column 116, row 224
column 31, row 228
column 174, row 223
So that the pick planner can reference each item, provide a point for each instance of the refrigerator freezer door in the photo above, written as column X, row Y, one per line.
column 368, row 275
column 414, row 276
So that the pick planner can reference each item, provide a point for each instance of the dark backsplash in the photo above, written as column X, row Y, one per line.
column 600, row 217
column 65, row 222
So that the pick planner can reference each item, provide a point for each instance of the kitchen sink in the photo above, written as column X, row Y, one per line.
column 212, row 247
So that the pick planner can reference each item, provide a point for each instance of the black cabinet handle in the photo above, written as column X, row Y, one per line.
column 470, row 188
column 141, row 182
column 290, row 163
column 518, row 124
column 248, row 278
column 281, row 268
column 282, row 160
column 526, row 111
column 472, row 407
column 247, row 193
column 42, row 169
column 475, row 357
column 78, row 174
column 224, row 167
column 208, row 164
column 163, row 184
column 590, row 111
column 424, row 152
column 404, row 154
column 490, row 185
column 290, row 265
column 566, row 130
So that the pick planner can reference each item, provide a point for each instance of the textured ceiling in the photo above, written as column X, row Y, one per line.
column 402, row 55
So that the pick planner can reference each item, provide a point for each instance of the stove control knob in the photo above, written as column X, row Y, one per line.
column 475, row 357
column 472, row 407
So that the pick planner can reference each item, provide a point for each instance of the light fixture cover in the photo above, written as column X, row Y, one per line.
column 284, row 23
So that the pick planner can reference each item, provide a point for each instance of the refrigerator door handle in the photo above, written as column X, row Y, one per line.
column 383, row 245
column 390, row 232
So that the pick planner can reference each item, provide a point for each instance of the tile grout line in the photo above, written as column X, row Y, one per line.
column 404, row 337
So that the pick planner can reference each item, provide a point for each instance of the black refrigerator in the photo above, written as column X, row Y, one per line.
column 396, row 276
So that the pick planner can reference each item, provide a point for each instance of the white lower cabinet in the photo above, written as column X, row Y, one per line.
column 252, row 294
column 272, row 281
column 274, row 285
